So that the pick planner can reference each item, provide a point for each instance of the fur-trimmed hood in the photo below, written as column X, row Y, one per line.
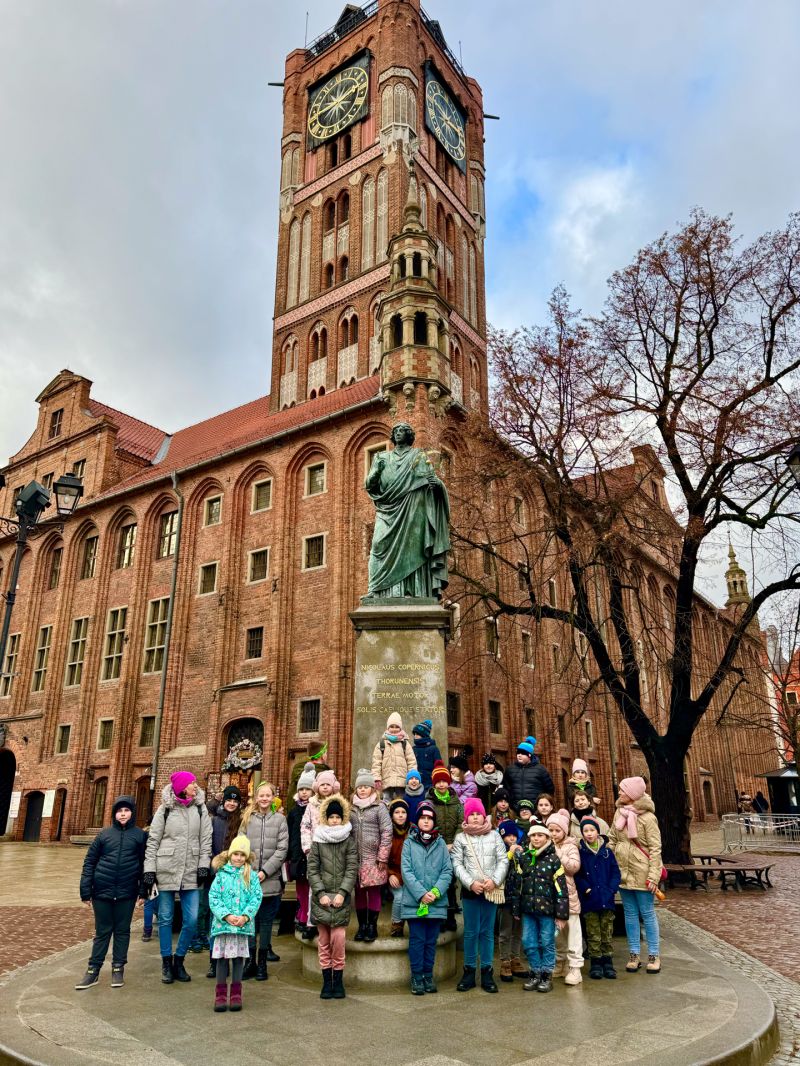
column 323, row 808
column 169, row 799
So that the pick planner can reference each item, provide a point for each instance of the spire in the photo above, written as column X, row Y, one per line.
column 412, row 214
column 736, row 579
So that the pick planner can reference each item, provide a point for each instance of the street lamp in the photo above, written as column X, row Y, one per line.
column 29, row 505
column 793, row 462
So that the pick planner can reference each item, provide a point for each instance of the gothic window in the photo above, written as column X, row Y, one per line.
column 319, row 342
column 333, row 155
column 420, row 328
column 382, row 218
column 400, row 105
column 344, row 268
column 347, row 146
column 473, row 286
column 305, row 258
column 329, row 216
column 296, row 166
column 464, row 276
column 294, row 264
column 328, row 276
column 348, row 329
column 344, row 208
column 416, row 265
column 367, row 224
column 449, row 253
column 387, row 112
column 286, row 170
column 397, row 331
column 290, row 355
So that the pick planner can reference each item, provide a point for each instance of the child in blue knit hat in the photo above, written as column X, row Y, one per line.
column 426, row 751
column 414, row 793
column 510, row 925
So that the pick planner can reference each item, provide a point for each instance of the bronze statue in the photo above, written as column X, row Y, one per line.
column 408, row 559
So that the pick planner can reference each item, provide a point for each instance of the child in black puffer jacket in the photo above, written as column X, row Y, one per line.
column 111, row 880
column 543, row 903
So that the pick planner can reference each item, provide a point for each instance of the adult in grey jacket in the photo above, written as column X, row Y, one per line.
column 480, row 863
column 177, row 859
column 268, row 834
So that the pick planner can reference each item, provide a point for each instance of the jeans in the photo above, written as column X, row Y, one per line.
column 190, row 900
column 265, row 917
column 112, row 917
column 569, row 943
column 422, row 936
column 599, row 931
column 539, row 941
column 150, row 912
column 639, row 906
column 479, row 915
column 510, row 929
column 397, row 908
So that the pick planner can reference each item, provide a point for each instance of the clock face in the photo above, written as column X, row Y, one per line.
column 338, row 103
column 445, row 121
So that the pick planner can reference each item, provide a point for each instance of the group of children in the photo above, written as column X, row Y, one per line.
column 533, row 874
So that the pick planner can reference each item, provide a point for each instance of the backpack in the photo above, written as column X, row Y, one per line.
column 383, row 745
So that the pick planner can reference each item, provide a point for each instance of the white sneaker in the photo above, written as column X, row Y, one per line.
column 574, row 977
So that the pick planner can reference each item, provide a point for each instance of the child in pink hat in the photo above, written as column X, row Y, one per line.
column 569, row 941
column 580, row 781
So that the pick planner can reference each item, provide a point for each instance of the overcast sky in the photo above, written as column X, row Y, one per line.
column 139, row 151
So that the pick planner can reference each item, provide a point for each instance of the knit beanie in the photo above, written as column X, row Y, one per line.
column 231, row 792
column 440, row 775
column 364, row 777
column 327, row 777
column 426, row 808
column 561, row 819
column 580, row 764
column 537, row 828
column 308, row 776
column 510, row 828
column 460, row 763
column 334, row 807
column 488, row 759
column 527, row 745
column 634, row 787
column 524, row 805
column 590, row 820
column 473, row 806
column 423, row 729
column 501, row 794
column 394, row 719
column 413, row 775
column 399, row 802
column 181, row 780
column 240, row 843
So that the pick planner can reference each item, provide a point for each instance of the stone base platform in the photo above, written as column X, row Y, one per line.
column 383, row 963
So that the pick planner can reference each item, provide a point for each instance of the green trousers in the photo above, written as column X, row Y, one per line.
column 599, row 933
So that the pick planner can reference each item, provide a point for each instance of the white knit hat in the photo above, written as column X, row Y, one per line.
column 308, row 776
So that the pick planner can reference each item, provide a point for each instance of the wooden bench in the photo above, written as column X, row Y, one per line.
column 739, row 871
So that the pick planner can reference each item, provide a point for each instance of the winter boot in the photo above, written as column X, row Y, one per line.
column 147, row 935
column 327, row 984
column 117, row 975
column 574, row 976
column 221, row 998
column 417, row 984
column 428, row 981
column 608, row 968
column 596, row 969
column 467, row 980
column 363, row 919
column 338, row 984
column 261, row 967
column 633, row 963
column 506, row 973
column 271, row 956
column 90, row 978
column 235, row 998
column 653, row 964
column 487, row 979
column 212, row 966
column 371, row 930
column 250, row 965
column 533, row 981
column 167, row 976
column 519, row 969
column 545, row 982
column 397, row 930
column 179, row 970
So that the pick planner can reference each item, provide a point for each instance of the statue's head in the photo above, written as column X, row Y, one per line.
column 402, row 433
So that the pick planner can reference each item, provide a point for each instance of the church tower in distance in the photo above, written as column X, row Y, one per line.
column 382, row 219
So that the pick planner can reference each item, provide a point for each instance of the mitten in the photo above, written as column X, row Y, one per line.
column 202, row 875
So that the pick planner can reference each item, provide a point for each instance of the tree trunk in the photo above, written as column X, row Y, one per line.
column 669, row 795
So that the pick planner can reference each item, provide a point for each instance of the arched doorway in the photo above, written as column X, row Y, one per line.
column 144, row 801
column 244, row 736
column 33, row 817
column 8, row 768
column 57, row 817
column 708, row 797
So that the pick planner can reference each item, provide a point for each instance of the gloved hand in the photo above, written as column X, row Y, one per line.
column 202, row 874
column 149, row 879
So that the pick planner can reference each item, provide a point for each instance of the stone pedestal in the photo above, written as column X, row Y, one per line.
column 399, row 667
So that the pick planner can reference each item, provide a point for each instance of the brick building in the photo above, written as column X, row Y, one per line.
column 200, row 594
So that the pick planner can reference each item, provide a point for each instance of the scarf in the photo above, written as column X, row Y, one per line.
column 627, row 818
column 394, row 737
column 415, row 791
column 488, row 779
column 443, row 797
column 368, row 802
column 579, row 784
column 400, row 832
column 332, row 834
column 427, row 838
column 477, row 830
column 185, row 801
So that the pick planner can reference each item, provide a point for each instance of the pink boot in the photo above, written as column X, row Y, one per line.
column 221, row 997
column 235, row 1001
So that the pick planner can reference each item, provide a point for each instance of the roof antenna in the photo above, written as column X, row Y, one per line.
column 460, row 57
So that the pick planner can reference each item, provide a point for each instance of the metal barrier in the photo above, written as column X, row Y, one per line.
column 761, row 832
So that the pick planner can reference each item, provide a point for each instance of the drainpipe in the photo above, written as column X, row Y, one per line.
column 167, row 640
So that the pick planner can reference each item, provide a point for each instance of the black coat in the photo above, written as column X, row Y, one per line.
column 113, row 865
column 527, row 782
column 220, row 823
column 297, row 857
column 543, row 886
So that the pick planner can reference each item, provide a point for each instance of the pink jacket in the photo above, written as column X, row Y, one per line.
column 570, row 857
column 309, row 823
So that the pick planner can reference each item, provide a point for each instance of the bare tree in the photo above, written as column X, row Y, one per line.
column 693, row 367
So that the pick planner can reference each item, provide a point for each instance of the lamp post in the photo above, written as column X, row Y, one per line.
column 29, row 505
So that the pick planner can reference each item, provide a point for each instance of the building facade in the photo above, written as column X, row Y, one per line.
column 198, row 600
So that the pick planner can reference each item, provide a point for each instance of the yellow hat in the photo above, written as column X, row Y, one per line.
column 240, row 843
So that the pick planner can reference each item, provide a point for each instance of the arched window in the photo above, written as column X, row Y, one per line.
column 402, row 266
column 296, row 167
column 344, row 208
column 412, row 110
column 289, row 360
column 397, row 331
column 400, row 105
column 450, row 243
column 367, row 224
column 464, row 276
column 328, row 216
column 423, row 206
column 416, row 265
column 286, row 170
column 344, row 268
column 305, row 258
column 420, row 328
column 328, row 276
column 348, row 329
column 387, row 110
column 382, row 218
column 473, row 286
column 347, row 146
column 473, row 193
column 333, row 155
column 294, row 263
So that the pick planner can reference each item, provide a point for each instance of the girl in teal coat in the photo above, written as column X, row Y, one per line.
column 233, row 899
column 427, row 873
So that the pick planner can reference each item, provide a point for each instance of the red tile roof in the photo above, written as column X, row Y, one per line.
column 136, row 437
column 244, row 425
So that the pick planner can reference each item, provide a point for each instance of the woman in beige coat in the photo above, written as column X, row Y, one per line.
column 392, row 758
column 635, row 839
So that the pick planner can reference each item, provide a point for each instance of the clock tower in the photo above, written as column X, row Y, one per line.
column 381, row 172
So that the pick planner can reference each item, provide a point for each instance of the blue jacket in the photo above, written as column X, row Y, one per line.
column 427, row 753
column 414, row 802
column 230, row 895
column 598, row 879
column 423, row 869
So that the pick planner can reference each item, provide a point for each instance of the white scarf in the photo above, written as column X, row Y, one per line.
column 332, row 834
